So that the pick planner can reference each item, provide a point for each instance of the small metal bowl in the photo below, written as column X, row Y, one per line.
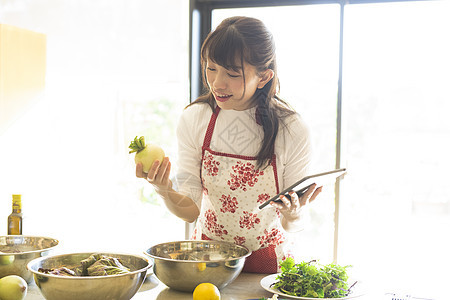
column 112, row 287
column 16, row 251
column 182, row 265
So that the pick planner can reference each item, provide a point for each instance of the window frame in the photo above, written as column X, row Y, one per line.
column 200, row 22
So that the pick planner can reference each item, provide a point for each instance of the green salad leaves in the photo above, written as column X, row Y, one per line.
column 311, row 279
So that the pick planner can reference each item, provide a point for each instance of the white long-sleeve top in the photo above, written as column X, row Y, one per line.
column 236, row 132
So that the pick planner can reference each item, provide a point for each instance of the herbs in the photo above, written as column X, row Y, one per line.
column 311, row 279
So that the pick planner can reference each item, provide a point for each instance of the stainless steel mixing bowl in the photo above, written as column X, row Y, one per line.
column 16, row 251
column 111, row 287
column 182, row 265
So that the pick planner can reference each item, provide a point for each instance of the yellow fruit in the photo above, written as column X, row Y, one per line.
column 6, row 259
column 148, row 156
column 206, row 291
column 201, row 266
column 146, row 153
column 13, row 287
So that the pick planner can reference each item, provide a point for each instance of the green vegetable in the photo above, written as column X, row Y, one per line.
column 107, row 266
column 137, row 145
column 311, row 279
column 94, row 265
column 146, row 154
column 86, row 263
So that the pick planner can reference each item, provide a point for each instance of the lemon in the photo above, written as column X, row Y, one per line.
column 206, row 291
column 201, row 266
column 6, row 259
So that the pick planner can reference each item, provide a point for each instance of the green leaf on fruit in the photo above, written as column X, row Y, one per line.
column 137, row 145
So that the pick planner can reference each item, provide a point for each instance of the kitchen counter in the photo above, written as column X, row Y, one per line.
column 246, row 286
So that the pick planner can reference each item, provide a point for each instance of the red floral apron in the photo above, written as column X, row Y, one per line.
column 232, row 191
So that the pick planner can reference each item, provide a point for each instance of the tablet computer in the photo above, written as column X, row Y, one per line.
column 303, row 184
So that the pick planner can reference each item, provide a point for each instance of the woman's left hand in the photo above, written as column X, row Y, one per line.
column 291, row 208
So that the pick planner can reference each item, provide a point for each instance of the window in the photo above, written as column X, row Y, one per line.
column 308, row 71
column 115, row 69
column 394, row 202
column 395, row 199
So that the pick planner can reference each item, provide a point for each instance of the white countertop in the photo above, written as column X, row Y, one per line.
column 246, row 286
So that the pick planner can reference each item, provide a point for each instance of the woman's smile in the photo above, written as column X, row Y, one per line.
column 222, row 97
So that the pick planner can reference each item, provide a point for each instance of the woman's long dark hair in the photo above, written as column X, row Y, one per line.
column 249, row 40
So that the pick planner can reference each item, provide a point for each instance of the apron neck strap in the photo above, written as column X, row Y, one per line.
column 210, row 130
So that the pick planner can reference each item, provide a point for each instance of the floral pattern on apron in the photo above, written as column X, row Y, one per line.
column 233, row 189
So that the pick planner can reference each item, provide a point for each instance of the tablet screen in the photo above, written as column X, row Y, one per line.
column 303, row 184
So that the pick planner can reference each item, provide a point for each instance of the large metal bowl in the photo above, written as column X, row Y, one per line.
column 111, row 287
column 182, row 265
column 16, row 251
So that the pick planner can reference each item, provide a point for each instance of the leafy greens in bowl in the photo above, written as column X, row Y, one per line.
column 94, row 265
column 313, row 280
column 95, row 277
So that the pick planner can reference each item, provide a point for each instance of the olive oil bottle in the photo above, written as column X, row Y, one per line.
column 15, row 218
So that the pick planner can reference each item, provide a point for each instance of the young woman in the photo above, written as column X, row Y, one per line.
column 239, row 145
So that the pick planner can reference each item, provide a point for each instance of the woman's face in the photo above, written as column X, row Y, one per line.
column 228, row 85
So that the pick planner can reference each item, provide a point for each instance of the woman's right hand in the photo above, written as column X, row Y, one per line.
column 179, row 204
column 158, row 175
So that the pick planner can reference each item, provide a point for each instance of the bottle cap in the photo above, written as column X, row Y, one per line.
column 17, row 198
